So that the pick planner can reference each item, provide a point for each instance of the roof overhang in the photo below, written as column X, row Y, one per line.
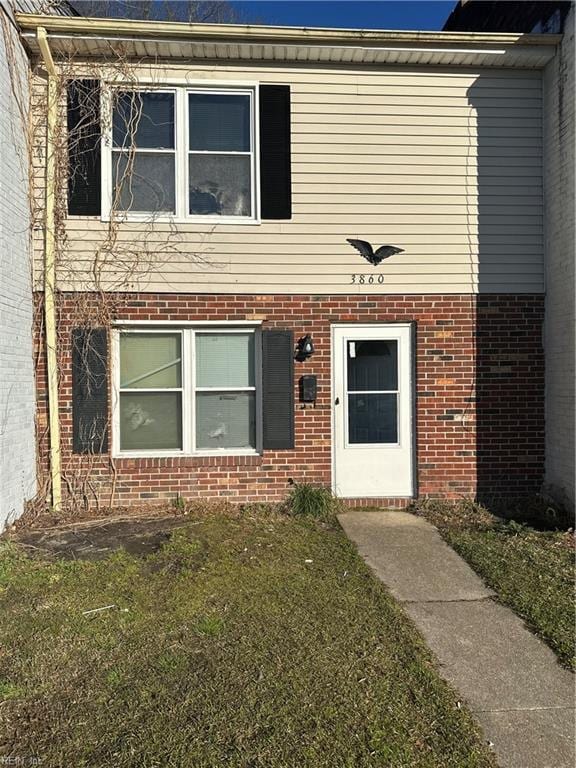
column 100, row 38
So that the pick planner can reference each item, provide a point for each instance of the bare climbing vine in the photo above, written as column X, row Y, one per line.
column 100, row 261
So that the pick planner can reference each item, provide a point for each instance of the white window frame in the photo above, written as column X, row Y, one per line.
column 181, row 152
column 251, row 153
column 114, row 152
column 189, row 389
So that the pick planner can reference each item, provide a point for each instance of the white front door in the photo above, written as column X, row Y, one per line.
column 372, row 402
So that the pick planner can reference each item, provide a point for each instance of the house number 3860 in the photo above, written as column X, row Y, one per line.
column 367, row 279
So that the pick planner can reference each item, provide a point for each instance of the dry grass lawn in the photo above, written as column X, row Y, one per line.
column 256, row 641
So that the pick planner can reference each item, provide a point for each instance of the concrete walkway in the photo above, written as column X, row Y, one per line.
column 509, row 679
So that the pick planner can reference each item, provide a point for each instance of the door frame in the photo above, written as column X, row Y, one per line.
column 412, row 326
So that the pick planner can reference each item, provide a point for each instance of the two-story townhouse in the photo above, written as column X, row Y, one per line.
column 216, row 334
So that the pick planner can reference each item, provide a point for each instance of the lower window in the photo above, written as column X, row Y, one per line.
column 187, row 391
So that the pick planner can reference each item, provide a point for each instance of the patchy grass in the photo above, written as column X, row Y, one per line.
column 530, row 570
column 256, row 641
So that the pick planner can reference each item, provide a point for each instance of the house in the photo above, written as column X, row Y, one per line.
column 214, row 333
column 559, row 245
column 17, row 389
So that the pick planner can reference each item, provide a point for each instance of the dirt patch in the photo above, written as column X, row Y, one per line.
column 97, row 539
column 37, row 519
column 45, row 519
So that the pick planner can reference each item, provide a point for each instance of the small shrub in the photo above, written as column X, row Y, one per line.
column 312, row 501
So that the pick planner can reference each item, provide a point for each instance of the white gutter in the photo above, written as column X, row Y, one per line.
column 316, row 47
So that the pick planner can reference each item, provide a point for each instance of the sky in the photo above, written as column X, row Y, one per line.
column 357, row 14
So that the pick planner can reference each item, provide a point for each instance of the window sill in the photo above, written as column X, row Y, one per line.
column 209, row 221
column 180, row 455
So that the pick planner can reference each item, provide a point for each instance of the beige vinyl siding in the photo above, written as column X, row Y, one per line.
column 444, row 164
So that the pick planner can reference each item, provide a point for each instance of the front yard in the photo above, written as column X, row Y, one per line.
column 530, row 569
column 254, row 640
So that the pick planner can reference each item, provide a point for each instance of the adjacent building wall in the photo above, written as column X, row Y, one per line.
column 559, row 248
column 17, row 398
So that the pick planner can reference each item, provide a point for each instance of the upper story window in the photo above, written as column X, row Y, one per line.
column 144, row 152
column 183, row 152
column 220, row 154
column 179, row 153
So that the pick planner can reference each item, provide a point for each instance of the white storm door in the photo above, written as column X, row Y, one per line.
column 372, row 406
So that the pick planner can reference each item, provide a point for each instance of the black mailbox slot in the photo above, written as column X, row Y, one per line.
column 308, row 389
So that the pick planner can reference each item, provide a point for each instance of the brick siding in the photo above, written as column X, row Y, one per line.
column 494, row 446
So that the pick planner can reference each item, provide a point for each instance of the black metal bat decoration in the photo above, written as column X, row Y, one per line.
column 371, row 255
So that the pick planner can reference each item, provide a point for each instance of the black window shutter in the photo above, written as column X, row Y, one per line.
column 89, row 390
column 275, row 170
column 278, row 389
column 83, row 101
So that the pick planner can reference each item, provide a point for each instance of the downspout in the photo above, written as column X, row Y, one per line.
column 50, row 271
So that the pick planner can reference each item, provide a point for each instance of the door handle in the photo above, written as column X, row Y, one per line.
column 337, row 401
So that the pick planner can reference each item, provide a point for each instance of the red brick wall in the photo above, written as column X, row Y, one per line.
column 510, row 395
column 465, row 346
